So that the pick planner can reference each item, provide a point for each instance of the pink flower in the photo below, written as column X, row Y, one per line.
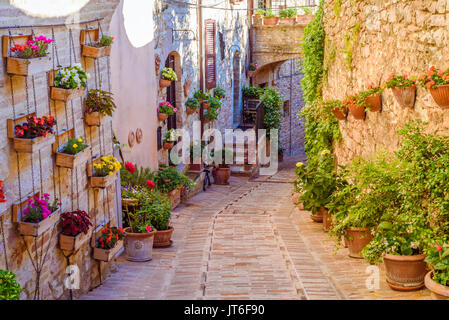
column 175, row 110
column 148, row 228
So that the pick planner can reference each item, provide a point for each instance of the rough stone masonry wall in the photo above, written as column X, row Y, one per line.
column 366, row 42
column 41, row 174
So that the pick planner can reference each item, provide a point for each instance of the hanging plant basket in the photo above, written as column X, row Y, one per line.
column 374, row 103
column 107, row 255
column 65, row 95
column 162, row 116
column 96, row 52
column 406, row 97
column 441, row 95
column 32, row 145
column 73, row 161
column 73, row 243
column 340, row 113
column 37, row 229
column 93, row 119
column 164, row 83
column 358, row 112
column 28, row 67
column 168, row 145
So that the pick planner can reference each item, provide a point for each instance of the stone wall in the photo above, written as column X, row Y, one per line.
column 23, row 173
column 366, row 42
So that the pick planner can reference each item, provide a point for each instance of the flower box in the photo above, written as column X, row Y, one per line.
column 36, row 229
column 96, row 52
column 32, row 145
column 102, row 182
column 168, row 145
column 28, row 67
column 72, row 161
column 107, row 255
column 66, row 94
column 93, row 119
column 73, row 243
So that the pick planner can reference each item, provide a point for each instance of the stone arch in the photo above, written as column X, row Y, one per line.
column 178, row 89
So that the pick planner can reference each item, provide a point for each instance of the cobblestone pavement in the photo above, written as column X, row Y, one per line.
column 246, row 241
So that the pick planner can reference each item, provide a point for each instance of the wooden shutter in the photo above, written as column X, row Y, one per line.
column 211, row 58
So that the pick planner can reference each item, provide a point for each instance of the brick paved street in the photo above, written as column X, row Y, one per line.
column 246, row 241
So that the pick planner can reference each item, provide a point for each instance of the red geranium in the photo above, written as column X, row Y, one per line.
column 130, row 167
column 150, row 184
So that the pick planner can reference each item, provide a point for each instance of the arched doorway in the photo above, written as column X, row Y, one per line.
column 236, row 88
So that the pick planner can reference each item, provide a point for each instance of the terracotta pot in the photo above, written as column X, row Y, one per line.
column 304, row 18
column 271, row 21
column 374, row 103
column 222, row 176
column 164, row 83
column 317, row 217
column 287, row 21
column 406, row 97
column 250, row 73
column 190, row 110
column 357, row 238
column 139, row 246
column 257, row 19
column 437, row 291
column 168, row 145
column 206, row 105
column 340, row 114
column 405, row 273
column 162, row 239
column 358, row 112
column 441, row 95
column 162, row 116
column 327, row 219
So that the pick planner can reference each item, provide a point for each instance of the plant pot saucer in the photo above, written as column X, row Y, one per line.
column 405, row 289
column 164, row 244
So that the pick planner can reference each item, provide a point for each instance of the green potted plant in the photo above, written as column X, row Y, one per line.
column 337, row 107
column 33, row 135
column 404, row 89
column 201, row 96
column 306, row 17
column 356, row 105
column 437, row 279
column 192, row 104
column 102, row 171
column 76, row 229
column 98, row 49
column 437, row 82
column 109, row 243
column 169, row 181
column 69, row 83
column 73, row 153
column 210, row 115
column 165, row 110
column 287, row 16
column 252, row 92
column 99, row 103
column 269, row 18
column 373, row 98
column 257, row 16
column 252, row 69
column 10, row 289
column 219, row 93
column 222, row 171
column 170, row 138
column 167, row 76
column 160, row 212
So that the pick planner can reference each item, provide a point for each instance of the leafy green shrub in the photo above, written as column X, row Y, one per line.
column 101, row 101
column 193, row 103
column 219, row 93
column 438, row 259
column 9, row 288
column 169, row 74
column 106, row 41
column 137, row 179
column 272, row 102
column 169, row 179
column 288, row 13
column 252, row 92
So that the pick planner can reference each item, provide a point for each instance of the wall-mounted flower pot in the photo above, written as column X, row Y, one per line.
column 162, row 239
column 73, row 161
column 28, row 67
column 406, row 97
column 175, row 197
column 358, row 112
column 168, row 145
column 162, row 116
column 405, row 273
column 287, row 21
column 374, row 103
column 32, row 145
column 102, row 182
column 73, row 243
column 257, row 19
column 271, row 21
column 222, row 176
column 317, row 217
column 107, row 255
column 93, row 119
column 327, row 219
column 190, row 110
column 96, row 52
column 250, row 73
column 340, row 113
column 36, row 229
column 206, row 105
column 357, row 238
column 164, row 83
column 66, row 94
column 139, row 246
column 437, row 291
column 441, row 95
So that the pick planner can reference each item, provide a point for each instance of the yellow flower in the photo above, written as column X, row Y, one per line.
column 111, row 173
column 80, row 140
column 75, row 146
column 299, row 164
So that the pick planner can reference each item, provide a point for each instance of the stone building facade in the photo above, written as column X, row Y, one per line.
column 366, row 41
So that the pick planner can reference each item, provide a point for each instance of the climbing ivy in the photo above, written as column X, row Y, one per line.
column 350, row 41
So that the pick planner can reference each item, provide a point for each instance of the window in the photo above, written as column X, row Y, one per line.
column 211, row 78
column 263, row 4
column 286, row 108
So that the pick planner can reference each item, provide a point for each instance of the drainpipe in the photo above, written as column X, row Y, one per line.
column 200, row 55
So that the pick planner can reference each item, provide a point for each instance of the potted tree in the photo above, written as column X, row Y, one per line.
column 221, row 171
column 72, row 154
column 34, row 135
column 437, row 82
column 98, row 49
column 192, row 105
column 10, row 289
column 269, row 18
column 404, row 89
column 167, row 76
column 437, row 280
column 108, row 244
column 76, row 229
column 99, row 103
column 288, row 16
column 165, row 110
column 170, row 138
column 30, row 58
column 69, row 83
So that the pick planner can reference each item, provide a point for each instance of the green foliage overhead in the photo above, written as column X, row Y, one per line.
column 9, row 288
